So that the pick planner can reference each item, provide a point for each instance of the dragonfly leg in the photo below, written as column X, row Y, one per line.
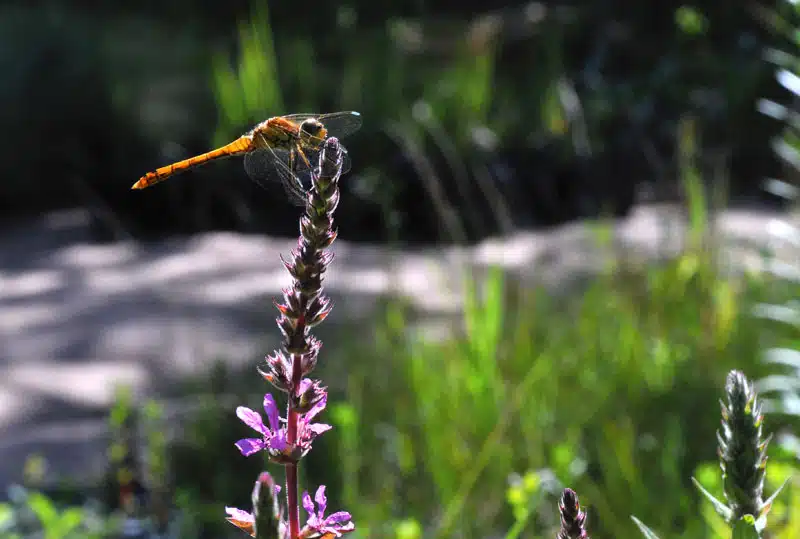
column 292, row 183
column 303, row 155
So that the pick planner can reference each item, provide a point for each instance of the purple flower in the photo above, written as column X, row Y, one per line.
column 334, row 525
column 306, row 430
column 242, row 520
column 273, row 438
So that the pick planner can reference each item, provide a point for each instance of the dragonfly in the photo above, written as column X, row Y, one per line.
column 280, row 149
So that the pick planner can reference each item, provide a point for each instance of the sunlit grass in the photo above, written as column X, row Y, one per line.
column 614, row 391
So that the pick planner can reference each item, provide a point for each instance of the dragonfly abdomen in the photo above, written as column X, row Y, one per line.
column 238, row 147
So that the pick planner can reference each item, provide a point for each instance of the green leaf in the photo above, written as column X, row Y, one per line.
column 767, row 505
column 745, row 528
column 70, row 520
column 43, row 508
column 6, row 515
column 723, row 510
column 647, row 532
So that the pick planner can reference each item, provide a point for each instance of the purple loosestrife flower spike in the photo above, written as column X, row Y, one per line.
column 303, row 305
column 318, row 525
column 573, row 518
column 287, row 440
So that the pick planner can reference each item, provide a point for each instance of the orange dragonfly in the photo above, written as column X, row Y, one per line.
column 281, row 149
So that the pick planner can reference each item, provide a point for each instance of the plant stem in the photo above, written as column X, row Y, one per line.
column 291, row 468
column 291, row 500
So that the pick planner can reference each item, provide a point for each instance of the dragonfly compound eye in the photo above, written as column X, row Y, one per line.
column 312, row 128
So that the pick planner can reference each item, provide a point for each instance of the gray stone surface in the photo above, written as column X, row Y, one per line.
column 77, row 318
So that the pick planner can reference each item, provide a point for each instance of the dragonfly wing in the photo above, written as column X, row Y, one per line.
column 294, row 190
column 260, row 165
column 338, row 124
column 268, row 167
column 341, row 124
column 298, row 118
column 346, row 163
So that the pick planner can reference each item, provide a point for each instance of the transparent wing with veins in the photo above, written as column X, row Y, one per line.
column 337, row 124
column 269, row 166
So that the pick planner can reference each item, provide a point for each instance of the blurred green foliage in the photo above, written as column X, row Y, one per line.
column 614, row 391
column 252, row 91
column 31, row 515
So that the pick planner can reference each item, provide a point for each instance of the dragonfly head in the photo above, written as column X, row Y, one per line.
column 312, row 132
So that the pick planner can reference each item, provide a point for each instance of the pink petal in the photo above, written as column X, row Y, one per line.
column 278, row 442
column 322, row 501
column 272, row 412
column 304, row 383
column 339, row 528
column 308, row 505
column 317, row 408
column 251, row 419
column 318, row 428
column 248, row 446
column 239, row 515
column 338, row 517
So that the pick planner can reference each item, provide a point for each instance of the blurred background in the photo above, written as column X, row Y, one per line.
column 565, row 222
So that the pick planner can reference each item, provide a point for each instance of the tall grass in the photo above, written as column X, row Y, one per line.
column 611, row 390
column 249, row 92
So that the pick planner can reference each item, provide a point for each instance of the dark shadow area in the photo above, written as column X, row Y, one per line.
column 476, row 122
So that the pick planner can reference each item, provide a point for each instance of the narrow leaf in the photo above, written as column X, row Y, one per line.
column 723, row 510
column 768, row 502
column 647, row 532
column 70, row 520
column 43, row 508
